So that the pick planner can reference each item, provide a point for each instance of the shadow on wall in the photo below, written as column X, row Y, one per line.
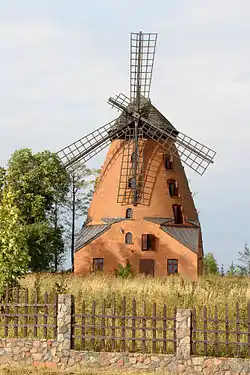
column 113, row 254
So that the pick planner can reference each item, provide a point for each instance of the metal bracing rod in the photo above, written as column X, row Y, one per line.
column 138, row 94
column 90, row 145
column 135, row 187
column 138, row 78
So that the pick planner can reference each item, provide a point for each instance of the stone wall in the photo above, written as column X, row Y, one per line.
column 57, row 354
column 50, row 354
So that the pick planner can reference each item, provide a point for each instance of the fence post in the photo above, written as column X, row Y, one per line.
column 183, row 333
column 248, row 315
column 64, row 321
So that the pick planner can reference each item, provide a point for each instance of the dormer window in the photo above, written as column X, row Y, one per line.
column 129, row 213
column 168, row 161
column 178, row 215
column 173, row 188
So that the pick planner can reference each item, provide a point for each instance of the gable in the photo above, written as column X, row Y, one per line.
column 89, row 233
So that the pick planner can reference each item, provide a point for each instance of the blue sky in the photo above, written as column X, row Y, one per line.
column 61, row 60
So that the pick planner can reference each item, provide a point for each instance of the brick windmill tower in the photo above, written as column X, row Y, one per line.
column 142, row 211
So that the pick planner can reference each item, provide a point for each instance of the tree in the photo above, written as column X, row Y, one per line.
column 232, row 270
column 210, row 265
column 14, row 257
column 222, row 270
column 2, row 179
column 39, row 183
column 244, row 258
column 82, row 185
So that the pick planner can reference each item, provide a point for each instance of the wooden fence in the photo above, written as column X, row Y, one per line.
column 123, row 328
column 28, row 315
column 126, row 325
column 219, row 335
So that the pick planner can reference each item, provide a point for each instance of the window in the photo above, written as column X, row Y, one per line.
column 168, row 161
column 98, row 264
column 131, row 182
column 178, row 217
column 172, row 266
column 148, row 242
column 173, row 188
column 129, row 213
column 128, row 238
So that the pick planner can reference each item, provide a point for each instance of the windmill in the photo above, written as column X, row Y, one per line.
column 138, row 124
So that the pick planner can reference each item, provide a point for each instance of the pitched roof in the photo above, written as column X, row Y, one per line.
column 150, row 111
column 188, row 236
column 89, row 233
column 168, row 220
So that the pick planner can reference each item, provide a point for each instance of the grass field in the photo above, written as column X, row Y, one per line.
column 172, row 291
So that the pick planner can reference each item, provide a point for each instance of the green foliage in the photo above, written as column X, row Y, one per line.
column 210, row 265
column 39, row 183
column 233, row 270
column 42, row 241
column 124, row 272
column 14, row 258
column 244, row 258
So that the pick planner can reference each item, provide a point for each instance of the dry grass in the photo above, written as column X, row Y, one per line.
column 172, row 291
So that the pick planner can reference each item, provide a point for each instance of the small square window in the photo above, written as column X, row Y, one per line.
column 172, row 266
column 98, row 264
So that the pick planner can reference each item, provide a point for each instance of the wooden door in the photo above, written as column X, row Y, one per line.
column 147, row 266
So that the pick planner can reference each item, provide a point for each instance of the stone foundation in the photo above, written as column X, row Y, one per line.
column 51, row 354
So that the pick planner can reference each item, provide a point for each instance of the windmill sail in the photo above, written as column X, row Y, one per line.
column 90, row 145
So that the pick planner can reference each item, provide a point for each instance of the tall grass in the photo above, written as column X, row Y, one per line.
column 173, row 291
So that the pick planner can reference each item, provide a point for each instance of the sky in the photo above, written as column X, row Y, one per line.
column 61, row 60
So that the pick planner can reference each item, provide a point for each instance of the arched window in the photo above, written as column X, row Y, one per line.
column 131, row 182
column 128, row 238
column 129, row 213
